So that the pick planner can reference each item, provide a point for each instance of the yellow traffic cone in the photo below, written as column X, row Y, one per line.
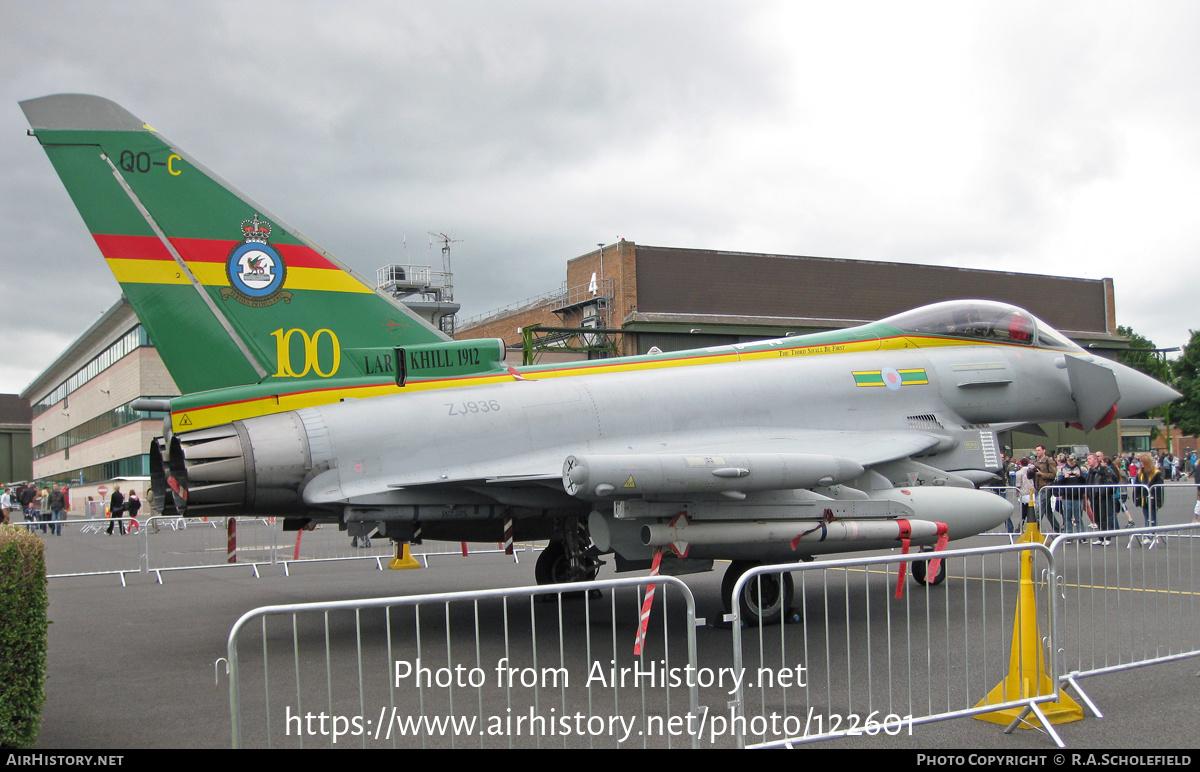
column 1026, row 666
column 403, row 559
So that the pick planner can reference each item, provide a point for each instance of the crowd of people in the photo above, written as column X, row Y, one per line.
column 44, row 509
column 1076, row 501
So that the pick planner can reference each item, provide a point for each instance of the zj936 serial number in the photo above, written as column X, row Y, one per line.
column 466, row 408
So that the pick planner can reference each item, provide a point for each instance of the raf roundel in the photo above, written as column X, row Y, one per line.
column 891, row 378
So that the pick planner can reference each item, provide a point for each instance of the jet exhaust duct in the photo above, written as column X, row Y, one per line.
column 247, row 467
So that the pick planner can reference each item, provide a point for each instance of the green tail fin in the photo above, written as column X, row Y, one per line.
column 229, row 294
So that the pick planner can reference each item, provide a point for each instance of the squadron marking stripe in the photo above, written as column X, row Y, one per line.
column 256, row 405
column 814, row 349
column 914, row 377
column 132, row 248
column 298, row 278
column 203, row 250
column 910, row 377
column 234, row 410
column 144, row 260
column 152, row 271
column 868, row 377
column 210, row 275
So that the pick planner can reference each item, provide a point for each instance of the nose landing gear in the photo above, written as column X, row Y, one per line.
column 921, row 567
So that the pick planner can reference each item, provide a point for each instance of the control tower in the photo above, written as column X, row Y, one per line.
column 428, row 292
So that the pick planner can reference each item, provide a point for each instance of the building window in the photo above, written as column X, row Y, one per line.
column 102, row 423
column 127, row 343
column 1136, row 444
column 133, row 466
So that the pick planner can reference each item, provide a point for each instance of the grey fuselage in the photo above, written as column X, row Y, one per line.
column 897, row 434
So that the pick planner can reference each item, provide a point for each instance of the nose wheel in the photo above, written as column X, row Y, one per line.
column 920, row 569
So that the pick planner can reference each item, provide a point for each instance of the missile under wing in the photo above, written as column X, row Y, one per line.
column 774, row 451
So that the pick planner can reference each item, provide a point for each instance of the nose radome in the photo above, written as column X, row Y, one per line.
column 1140, row 392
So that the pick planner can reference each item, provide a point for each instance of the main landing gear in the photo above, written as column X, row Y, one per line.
column 765, row 598
column 570, row 557
column 557, row 564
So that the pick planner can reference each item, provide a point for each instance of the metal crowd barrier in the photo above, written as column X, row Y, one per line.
column 855, row 659
column 903, row 662
column 185, row 543
column 327, row 543
column 1130, row 595
column 161, row 544
column 1090, row 504
column 1109, row 600
column 1083, row 508
column 84, row 548
column 156, row 544
column 1127, row 603
column 440, row 549
column 1128, row 505
column 528, row 667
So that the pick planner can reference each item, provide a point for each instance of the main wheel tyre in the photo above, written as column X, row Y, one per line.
column 765, row 598
column 920, row 568
column 554, row 566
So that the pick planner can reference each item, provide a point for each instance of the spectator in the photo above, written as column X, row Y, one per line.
column 43, row 507
column 1100, row 473
column 132, row 505
column 1071, row 477
column 1148, row 495
column 26, row 497
column 1196, row 482
column 1024, row 484
column 1045, row 472
column 58, row 510
column 116, row 508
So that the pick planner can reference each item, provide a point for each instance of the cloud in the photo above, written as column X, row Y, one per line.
column 1054, row 139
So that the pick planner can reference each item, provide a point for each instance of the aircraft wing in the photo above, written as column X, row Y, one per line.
column 867, row 448
column 775, row 459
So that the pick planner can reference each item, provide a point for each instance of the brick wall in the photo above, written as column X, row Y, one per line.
column 508, row 327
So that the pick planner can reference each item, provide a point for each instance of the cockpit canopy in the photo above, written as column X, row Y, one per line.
column 986, row 320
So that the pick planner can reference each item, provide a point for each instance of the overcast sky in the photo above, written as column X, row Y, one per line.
column 1059, row 138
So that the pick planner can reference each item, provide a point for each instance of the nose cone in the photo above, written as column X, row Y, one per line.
column 1140, row 392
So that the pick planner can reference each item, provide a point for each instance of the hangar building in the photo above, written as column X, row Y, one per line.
column 16, row 462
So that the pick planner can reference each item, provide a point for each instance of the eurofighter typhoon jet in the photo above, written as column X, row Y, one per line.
column 309, row 395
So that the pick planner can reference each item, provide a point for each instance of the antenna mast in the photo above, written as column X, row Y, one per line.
column 448, row 291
